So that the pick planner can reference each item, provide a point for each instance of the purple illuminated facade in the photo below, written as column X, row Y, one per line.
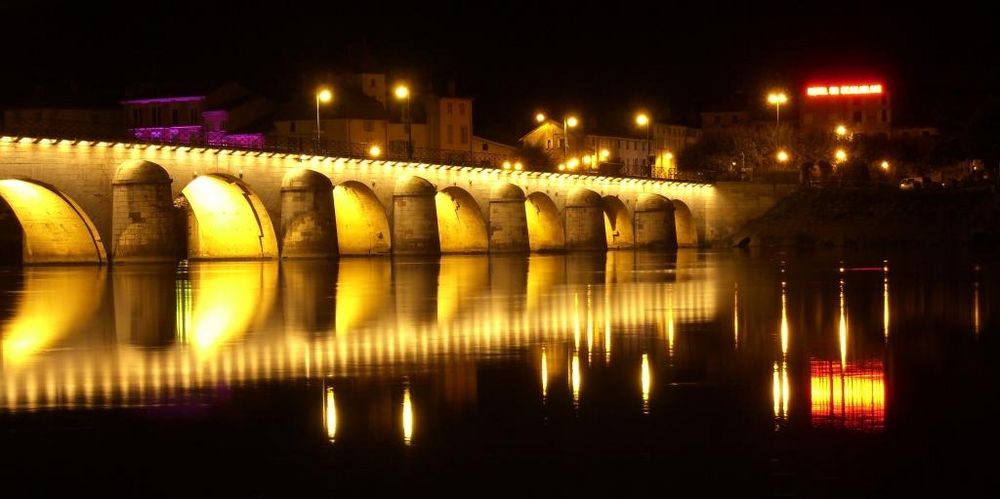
column 192, row 120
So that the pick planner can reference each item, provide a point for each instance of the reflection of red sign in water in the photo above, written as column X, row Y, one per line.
column 852, row 397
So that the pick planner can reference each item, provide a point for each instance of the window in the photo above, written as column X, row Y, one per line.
column 174, row 117
column 548, row 144
column 463, row 132
column 486, row 147
column 157, row 113
column 193, row 117
column 448, row 135
column 369, row 126
column 857, row 116
column 136, row 116
column 448, row 108
column 461, row 109
column 560, row 142
column 291, row 126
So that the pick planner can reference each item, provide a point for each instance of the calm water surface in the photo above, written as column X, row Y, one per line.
column 773, row 374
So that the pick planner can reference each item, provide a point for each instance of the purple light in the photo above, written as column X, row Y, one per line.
column 165, row 100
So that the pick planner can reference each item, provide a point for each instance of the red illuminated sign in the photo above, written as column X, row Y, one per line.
column 834, row 90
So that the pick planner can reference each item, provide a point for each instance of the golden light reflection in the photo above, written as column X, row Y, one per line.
column 976, row 326
column 226, row 299
column 545, row 374
column 407, row 416
column 330, row 414
column 736, row 316
column 842, row 328
column 885, row 307
column 645, row 380
column 784, row 323
column 575, row 381
column 850, row 397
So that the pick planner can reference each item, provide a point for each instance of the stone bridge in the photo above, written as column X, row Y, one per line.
column 64, row 201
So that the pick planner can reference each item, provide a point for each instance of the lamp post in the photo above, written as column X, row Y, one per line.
column 642, row 120
column 568, row 122
column 402, row 92
column 777, row 99
column 324, row 95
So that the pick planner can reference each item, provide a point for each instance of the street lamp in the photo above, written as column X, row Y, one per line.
column 782, row 156
column 841, row 131
column 540, row 117
column 777, row 99
column 568, row 122
column 840, row 155
column 642, row 120
column 402, row 92
column 324, row 95
column 885, row 165
column 374, row 151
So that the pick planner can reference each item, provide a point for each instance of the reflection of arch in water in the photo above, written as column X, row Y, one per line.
column 461, row 226
column 227, row 220
column 39, row 224
column 307, row 294
column 583, row 220
column 362, row 224
column 544, row 273
column 146, row 303
column 55, row 303
column 617, row 223
column 415, row 287
column 364, row 286
column 460, row 280
column 687, row 235
column 545, row 226
column 226, row 299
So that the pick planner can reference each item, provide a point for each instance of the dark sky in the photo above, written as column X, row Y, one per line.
column 603, row 60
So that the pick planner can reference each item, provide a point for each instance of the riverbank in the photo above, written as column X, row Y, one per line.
column 885, row 217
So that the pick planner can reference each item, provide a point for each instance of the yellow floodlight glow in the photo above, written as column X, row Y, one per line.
column 324, row 95
column 572, row 121
column 841, row 130
column 587, row 159
column 642, row 119
column 840, row 155
column 330, row 414
column 506, row 165
column 572, row 163
column 407, row 416
column 518, row 166
column 782, row 156
column 401, row 91
column 884, row 165
column 777, row 98
column 374, row 151
column 605, row 154
column 540, row 117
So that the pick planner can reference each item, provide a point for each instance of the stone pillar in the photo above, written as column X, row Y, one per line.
column 583, row 220
column 654, row 223
column 508, row 222
column 143, row 227
column 308, row 225
column 414, row 218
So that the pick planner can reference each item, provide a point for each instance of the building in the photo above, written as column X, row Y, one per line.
column 616, row 153
column 724, row 119
column 63, row 122
column 860, row 107
column 229, row 115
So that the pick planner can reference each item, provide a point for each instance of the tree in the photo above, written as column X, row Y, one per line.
column 534, row 158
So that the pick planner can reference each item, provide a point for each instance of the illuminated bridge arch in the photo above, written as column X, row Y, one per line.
column 39, row 224
column 414, row 217
column 584, row 220
column 545, row 226
column 362, row 223
column 461, row 225
column 617, row 224
column 654, row 222
column 226, row 220
column 308, row 226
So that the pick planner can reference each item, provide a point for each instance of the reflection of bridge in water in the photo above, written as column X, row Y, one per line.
column 82, row 336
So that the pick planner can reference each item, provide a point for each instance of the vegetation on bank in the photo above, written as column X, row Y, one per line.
column 883, row 216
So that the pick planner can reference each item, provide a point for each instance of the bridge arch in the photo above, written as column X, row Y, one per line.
column 414, row 217
column 584, row 220
column 460, row 223
column 654, row 222
column 508, row 219
column 143, row 218
column 39, row 224
column 618, row 229
column 687, row 234
column 545, row 226
column 308, row 225
column 362, row 223
column 227, row 220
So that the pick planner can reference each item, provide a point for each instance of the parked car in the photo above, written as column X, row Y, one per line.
column 910, row 183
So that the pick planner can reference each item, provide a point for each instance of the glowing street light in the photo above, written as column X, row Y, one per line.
column 587, row 159
column 568, row 122
column 506, row 165
column 840, row 155
column 885, row 165
column 605, row 154
column 402, row 92
column 841, row 131
column 374, row 151
column 643, row 120
column 572, row 121
column 776, row 99
column 572, row 163
column 323, row 95
column 540, row 117
column 518, row 166
column 782, row 156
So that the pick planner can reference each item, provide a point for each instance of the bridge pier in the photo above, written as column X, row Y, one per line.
column 308, row 225
column 583, row 221
column 143, row 226
column 508, row 221
column 414, row 218
column 654, row 223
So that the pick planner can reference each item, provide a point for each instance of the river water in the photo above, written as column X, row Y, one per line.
column 817, row 374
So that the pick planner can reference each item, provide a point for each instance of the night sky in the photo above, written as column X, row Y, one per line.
column 601, row 61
